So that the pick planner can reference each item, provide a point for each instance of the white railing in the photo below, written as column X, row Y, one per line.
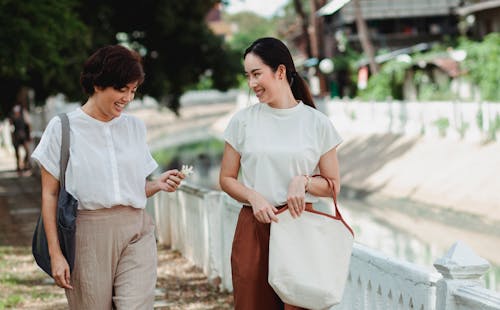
column 200, row 224
column 378, row 282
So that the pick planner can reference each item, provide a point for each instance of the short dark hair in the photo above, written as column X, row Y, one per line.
column 112, row 65
column 273, row 52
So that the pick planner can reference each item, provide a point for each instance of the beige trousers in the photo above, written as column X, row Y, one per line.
column 115, row 265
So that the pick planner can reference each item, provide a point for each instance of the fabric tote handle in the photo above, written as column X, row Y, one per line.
column 63, row 163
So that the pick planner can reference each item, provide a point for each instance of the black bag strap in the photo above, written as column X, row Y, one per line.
column 63, row 163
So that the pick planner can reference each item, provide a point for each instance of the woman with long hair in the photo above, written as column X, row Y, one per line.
column 272, row 150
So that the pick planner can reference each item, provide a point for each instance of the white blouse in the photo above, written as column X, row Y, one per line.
column 108, row 162
column 277, row 144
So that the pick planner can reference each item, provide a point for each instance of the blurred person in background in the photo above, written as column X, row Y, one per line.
column 21, row 135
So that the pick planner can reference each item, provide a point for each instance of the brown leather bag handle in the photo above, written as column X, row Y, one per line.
column 338, row 215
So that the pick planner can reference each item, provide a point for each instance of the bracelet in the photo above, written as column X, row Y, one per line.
column 308, row 182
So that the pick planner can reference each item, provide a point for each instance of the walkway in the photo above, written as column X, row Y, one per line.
column 24, row 286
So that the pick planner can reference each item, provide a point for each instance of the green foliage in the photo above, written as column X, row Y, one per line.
column 494, row 128
column 10, row 302
column 483, row 64
column 479, row 118
column 43, row 46
column 178, row 47
column 189, row 153
column 493, row 125
column 344, row 67
column 462, row 129
column 347, row 60
column 430, row 89
column 481, row 67
column 250, row 27
column 442, row 125
column 378, row 88
column 205, row 82
column 388, row 83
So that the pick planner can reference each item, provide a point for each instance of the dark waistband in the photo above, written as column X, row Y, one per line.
column 308, row 206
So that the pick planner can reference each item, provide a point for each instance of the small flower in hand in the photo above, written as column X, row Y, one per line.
column 187, row 170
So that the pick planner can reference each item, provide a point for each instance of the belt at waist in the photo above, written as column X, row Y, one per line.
column 308, row 206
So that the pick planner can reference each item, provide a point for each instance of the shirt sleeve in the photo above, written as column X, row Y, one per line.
column 48, row 152
column 150, row 164
column 331, row 137
column 233, row 132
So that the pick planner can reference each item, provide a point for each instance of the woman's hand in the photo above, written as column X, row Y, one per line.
column 60, row 271
column 296, row 198
column 263, row 211
column 170, row 180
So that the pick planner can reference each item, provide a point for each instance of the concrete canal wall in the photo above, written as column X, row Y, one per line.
column 462, row 176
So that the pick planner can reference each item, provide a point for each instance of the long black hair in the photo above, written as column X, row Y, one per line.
column 273, row 53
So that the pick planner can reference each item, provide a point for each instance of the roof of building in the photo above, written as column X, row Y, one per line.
column 381, row 9
column 476, row 7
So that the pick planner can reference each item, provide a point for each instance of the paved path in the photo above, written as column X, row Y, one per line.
column 19, row 202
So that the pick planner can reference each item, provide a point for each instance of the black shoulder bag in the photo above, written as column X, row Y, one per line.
column 65, row 215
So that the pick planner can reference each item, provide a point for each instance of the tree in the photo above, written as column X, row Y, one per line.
column 43, row 46
column 303, row 20
column 45, row 42
column 311, row 26
column 250, row 26
column 364, row 38
column 177, row 45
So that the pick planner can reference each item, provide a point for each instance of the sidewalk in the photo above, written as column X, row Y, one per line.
column 19, row 203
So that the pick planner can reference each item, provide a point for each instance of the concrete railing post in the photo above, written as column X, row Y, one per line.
column 460, row 267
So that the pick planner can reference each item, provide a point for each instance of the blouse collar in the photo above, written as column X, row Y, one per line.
column 96, row 121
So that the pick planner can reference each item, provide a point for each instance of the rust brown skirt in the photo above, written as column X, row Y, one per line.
column 249, row 263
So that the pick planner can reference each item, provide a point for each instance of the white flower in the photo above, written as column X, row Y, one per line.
column 187, row 170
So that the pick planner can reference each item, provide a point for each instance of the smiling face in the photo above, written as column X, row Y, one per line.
column 110, row 102
column 261, row 78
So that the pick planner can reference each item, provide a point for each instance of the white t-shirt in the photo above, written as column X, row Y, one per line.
column 277, row 144
column 108, row 162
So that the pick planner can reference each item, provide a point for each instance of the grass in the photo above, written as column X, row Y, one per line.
column 11, row 301
column 22, row 284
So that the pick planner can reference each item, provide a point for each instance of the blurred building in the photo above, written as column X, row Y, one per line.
column 395, row 24
column 392, row 24
column 217, row 24
column 399, row 28
column 478, row 18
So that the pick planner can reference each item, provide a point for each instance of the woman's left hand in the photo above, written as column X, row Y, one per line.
column 296, row 198
column 170, row 180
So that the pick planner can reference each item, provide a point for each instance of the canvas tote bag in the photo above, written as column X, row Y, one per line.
column 67, row 207
column 309, row 257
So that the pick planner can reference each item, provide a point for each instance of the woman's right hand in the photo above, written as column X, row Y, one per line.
column 263, row 211
column 60, row 271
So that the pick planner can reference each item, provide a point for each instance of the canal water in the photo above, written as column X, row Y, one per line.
column 407, row 230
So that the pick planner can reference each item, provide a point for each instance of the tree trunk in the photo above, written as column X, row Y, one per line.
column 317, row 40
column 305, row 25
column 364, row 37
column 317, row 29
